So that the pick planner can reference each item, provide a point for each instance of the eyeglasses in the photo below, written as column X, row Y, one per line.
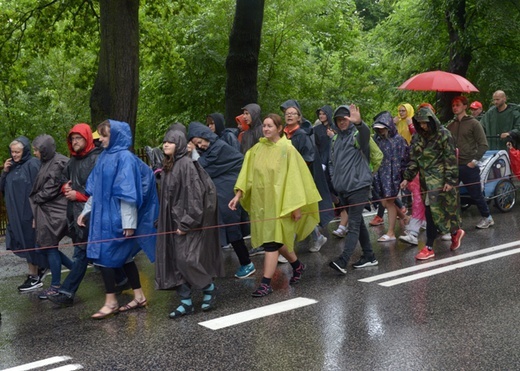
column 76, row 139
column 291, row 114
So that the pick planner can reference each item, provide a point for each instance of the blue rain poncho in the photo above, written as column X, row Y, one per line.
column 120, row 176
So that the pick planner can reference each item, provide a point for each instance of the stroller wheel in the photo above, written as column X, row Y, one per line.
column 505, row 195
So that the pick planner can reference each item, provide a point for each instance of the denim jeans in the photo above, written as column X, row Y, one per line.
column 77, row 272
column 56, row 259
column 357, row 230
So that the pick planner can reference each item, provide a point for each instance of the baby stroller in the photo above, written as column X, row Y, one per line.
column 495, row 177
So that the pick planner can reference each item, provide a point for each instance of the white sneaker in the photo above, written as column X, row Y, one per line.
column 446, row 237
column 318, row 244
column 282, row 260
column 410, row 238
column 340, row 232
column 485, row 223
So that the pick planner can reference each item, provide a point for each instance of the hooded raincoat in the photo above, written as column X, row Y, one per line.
column 188, row 201
column 433, row 157
column 223, row 164
column 323, row 141
column 16, row 185
column 275, row 181
column 251, row 136
column 120, row 176
column 387, row 179
column 404, row 127
column 48, row 203
column 76, row 172
column 228, row 135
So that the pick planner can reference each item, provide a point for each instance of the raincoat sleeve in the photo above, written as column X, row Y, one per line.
column 128, row 215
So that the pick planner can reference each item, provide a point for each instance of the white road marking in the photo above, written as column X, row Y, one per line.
column 439, row 262
column 249, row 315
column 448, row 268
column 38, row 364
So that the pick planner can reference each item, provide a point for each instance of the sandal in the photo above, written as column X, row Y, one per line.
column 102, row 315
column 134, row 304
column 297, row 274
column 210, row 298
column 385, row 238
column 186, row 310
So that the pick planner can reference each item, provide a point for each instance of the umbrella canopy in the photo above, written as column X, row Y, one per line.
column 439, row 81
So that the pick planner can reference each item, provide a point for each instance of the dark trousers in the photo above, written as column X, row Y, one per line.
column 77, row 272
column 357, row 230
column 471, row 179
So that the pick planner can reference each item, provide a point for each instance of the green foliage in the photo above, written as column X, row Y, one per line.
column 317, row 51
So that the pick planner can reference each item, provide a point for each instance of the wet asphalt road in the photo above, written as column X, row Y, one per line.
column 462, row 318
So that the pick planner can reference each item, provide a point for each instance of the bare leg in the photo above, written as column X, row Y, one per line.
column 270, row 263
column 392, row 216
column 343, row 218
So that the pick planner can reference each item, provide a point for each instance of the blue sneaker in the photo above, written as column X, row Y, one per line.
column 245, row 271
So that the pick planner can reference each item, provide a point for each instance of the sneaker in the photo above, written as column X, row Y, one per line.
column 485, row 223
column 410, row 238
column 245, row 271
column 61, row 299
column 376, row 221
column 424, row 254
column 338, row 266
column 51, row 291
column 256, row 251
column 282, row 260
column 318, row 244
column 297, row 274
column 340, row 232
column 364, row 262
column 31, row 283
column 456, row 239
column 446, row 237
column 262, row 290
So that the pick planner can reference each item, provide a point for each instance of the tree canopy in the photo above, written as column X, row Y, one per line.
column 318, row 52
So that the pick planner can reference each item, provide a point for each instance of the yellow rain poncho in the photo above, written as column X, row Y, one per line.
column 275, row 181
column 403, row 125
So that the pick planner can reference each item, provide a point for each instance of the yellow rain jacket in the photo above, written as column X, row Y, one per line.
column 275, row 181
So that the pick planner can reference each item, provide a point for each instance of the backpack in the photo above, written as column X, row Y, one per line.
column 375, row 155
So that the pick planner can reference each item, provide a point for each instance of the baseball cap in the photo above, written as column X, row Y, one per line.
column 475, row 105
column 379, row 125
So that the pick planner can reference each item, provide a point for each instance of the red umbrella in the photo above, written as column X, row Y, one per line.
column 439, row 81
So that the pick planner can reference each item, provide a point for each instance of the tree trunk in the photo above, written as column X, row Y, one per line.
column 115, row 91
column 242, row 59
column 460, row 53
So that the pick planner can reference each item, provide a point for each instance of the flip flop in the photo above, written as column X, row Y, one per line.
column 385, row 238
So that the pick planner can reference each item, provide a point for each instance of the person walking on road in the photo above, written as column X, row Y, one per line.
column 16, row 183
column 433, row 157
column 276, row 188
column 352, row 178
column 188, row 253
column 83, row 157
column 471, row 142
column 50, row 208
